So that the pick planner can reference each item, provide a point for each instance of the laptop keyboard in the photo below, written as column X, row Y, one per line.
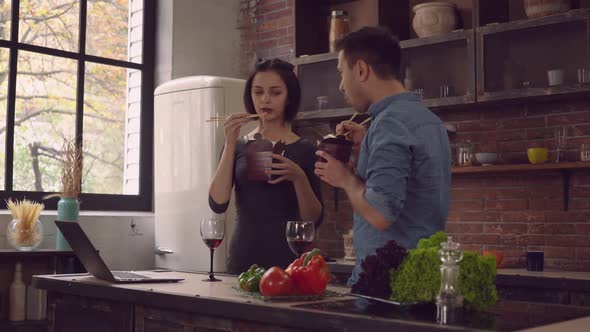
column 128, row 275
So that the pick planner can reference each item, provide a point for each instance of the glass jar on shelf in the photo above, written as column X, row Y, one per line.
column 24, row 236
column 585, row 152
column 339, row 27
column 465, row 154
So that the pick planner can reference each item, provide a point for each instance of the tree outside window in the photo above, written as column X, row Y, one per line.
column 75, row 69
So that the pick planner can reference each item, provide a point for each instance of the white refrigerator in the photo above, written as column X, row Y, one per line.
column 187, row 149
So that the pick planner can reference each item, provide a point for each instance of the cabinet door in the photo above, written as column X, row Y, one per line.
column 78, row 314
column 159, row 320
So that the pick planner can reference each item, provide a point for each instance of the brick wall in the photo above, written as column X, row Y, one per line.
column 512, row 212
column 267, row 31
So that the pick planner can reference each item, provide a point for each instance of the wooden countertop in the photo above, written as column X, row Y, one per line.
column 546, row 274
column 334, row 313
column 220, row 299
column 575, row 325
column 191, row 286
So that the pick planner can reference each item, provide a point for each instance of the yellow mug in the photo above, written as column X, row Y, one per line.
column 537, row 155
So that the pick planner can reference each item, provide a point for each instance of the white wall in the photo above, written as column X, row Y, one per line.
column 197, row 37
column 119, row 246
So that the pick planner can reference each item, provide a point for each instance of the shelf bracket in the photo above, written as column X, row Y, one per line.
column 565, row 181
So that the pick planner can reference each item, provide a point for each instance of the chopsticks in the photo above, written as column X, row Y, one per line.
column 222, row 118
column 349, row 120
column 361, row 124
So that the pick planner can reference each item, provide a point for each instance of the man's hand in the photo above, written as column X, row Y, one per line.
column 336, row 174
column 333, row 171
column 355, row 131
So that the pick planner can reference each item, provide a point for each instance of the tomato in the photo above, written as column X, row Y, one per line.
column 275, row 282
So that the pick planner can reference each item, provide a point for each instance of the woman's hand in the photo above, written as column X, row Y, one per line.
column 232, row 125
column 286, row 170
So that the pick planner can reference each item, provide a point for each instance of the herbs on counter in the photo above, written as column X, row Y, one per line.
column 375, row 278
column 418, row 278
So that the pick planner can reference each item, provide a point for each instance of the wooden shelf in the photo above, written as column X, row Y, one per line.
column 328, row 114
column 530, row 93
column 564, row 168
column 442, row 103
column 334, row 2
column 404, row 44
column 5, row 253
column 521, row 168
column 315, row 58
column 426, row 41
column 572, row 15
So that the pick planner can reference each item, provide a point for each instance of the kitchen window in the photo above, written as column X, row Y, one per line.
column 77, row 69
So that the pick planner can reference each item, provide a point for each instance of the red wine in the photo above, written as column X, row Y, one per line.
column 212, row 243
column 299, row 246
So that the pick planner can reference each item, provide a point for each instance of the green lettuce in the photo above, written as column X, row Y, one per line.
column 418, row 278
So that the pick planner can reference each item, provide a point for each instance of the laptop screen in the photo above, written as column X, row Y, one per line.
column 83, row 248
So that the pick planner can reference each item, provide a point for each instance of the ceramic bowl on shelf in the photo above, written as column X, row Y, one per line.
column 537, row 155
column 486, row 158
column 434, row 18
column 540, row 8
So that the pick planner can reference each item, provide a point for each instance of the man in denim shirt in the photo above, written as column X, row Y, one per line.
column 401, row 188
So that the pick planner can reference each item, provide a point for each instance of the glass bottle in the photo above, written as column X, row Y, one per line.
column 449, row 298
column 17, row 295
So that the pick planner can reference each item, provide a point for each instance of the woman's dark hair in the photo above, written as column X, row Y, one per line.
column 377, row 47
column 285, row 71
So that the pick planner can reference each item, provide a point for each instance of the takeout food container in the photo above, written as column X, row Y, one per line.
column 338, row 147
column 258, row 159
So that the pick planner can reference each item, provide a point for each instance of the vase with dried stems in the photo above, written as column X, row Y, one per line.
column 68, row 207
column 25, row 231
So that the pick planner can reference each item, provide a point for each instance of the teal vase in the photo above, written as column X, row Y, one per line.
column 67, row 210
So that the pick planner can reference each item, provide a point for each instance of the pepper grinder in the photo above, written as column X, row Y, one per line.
column 449, row 296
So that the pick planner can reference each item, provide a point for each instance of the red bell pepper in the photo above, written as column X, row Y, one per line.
column 310, row 273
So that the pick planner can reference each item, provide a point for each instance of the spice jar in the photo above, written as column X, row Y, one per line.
column 339, row 27
column 465, row 154
column 585, row 152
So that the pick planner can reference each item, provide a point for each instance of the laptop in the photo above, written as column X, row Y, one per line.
column 95, row 265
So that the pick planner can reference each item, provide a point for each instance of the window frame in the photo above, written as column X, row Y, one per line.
column 89, row 201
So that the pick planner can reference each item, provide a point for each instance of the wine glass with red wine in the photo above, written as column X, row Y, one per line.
column 212, row 231
column 300, row 236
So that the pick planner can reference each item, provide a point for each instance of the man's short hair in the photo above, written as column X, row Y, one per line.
column 377, row 47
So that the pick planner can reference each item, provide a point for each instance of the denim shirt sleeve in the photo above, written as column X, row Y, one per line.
column 388, row 166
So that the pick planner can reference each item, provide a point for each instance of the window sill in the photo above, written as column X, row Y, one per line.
column 95, row 213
